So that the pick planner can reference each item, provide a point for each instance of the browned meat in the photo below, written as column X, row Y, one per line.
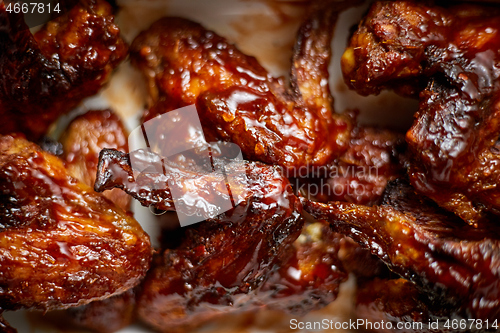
column 401, row 43
column 237, row 99
column 373, row 157
column 448, row 259
column 310, row 278
column 360, row 176
column 312, row 54
column 84, row 139
column 455, row 155
column 82, row 142
column 48, row 74
column 62, row 244
column 399, row 302
column 180, row 60
column 453, row 139
column 222, row 260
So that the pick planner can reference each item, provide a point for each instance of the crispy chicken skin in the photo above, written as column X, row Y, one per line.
column 371, row 158
column 453, row 54
column 49, row 73
column 62, row 244
column 307, row 278
column 451, row 261
column 221, row 261
column 309, row 75
column 237, row 99
column 455, row 152
column 83, row 140
column 374, row 157
column 180, row 60
column 180, row 284
column 398, row 42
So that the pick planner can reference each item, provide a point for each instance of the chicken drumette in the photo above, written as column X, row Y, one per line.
column 237, row 99
column 452, row 262
column 449, row 55
column 49, row 73
column 63, row 244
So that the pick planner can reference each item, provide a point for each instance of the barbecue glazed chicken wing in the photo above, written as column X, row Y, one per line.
column 49, row 73
column 237, row 99
column 452, row 262
column 185, row 64
column 220, row 260
column 83, row 140
column 374, row 157
column 63, row 245
column 450, row 56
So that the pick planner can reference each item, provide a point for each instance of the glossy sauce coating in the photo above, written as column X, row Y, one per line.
column 160, row 178
column 48, row 74
column 400, row 43
column 460, row 169
column 307, row 275
column 237, row 99
column 360, row 175
column 61, row 244
column 448, row 259
column 453, row 54
column 221, row 261
column 83, row 140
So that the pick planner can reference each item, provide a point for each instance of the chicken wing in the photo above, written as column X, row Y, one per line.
column 361, row 173
column 62, row 244
column 83, row 140
column 225, row 258
column 49, row 73
column 237, row 99
column 453, row 53
column 449, row 260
